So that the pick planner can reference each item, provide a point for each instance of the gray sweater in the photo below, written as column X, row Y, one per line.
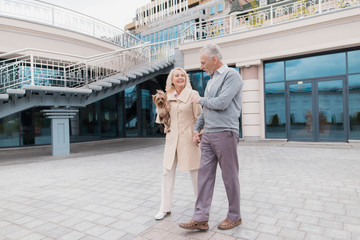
column 221, row 102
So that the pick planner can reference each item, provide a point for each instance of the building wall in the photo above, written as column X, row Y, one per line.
column 19, row 34
column 249, row 49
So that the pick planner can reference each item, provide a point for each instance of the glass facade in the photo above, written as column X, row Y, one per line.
column 130, row 113
column 306, row 99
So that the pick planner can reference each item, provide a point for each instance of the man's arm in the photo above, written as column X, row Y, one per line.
column 232, row 85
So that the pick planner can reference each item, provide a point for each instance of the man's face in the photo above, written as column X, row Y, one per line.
column 207, row 64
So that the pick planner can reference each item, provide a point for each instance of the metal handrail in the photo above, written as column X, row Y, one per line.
column 269, row 15
column 30, row 69
column 56, row 16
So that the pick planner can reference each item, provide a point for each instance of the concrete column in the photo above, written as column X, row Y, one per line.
column 60, row 132
column 251, row 106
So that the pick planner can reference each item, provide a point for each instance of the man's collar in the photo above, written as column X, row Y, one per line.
column 221, row 69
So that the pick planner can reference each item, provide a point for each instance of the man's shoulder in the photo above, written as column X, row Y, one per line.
column 233, row 73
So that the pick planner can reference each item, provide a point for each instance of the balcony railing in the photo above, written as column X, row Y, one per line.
column 34, row 70
column 263, row 16
column 56, row 16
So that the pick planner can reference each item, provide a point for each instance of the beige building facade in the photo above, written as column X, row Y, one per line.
column 249, row 50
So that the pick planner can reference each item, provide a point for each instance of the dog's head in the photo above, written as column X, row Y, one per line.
column 159, row 98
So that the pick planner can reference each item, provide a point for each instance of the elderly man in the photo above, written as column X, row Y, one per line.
column 219, row 121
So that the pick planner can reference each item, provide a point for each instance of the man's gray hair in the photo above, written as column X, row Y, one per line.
column 212, row 50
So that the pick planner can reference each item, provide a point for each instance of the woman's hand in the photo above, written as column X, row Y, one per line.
column 196, row 138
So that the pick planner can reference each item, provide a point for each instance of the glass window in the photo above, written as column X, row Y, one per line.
column 156, row 37
column 89, row 124
column 274, row 72
column 165, row 35
column 175, row 31
column 180, row 28
column 196, row 82
column 108, row 117
column 9, row 131
column 220, row 7
column 275, row 110
column 354, row 61
column 317, row 66
column 170, row 34
column 152, row 38
column 131, row 121
column 42, row 127
column 354, row 106
column 161, row 36
column 212, row 10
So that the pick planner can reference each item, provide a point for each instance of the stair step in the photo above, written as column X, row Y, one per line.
column 129, row 75
column 140, row 74
column 144, row 71
column 19, row 92
column 113, row 80
column 4, row 97
column 102, row 83
column 95, row 87
column 123, row 78
column 57, row 89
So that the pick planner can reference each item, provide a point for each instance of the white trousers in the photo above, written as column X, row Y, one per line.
column 167, row 186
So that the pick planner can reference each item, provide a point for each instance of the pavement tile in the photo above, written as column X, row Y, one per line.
column 302, row 193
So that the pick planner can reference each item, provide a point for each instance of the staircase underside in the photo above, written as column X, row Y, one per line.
column 17, row 100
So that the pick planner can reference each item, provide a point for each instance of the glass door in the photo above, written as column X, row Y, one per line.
column 330, row 110
column 315, row 110
column 300, row 111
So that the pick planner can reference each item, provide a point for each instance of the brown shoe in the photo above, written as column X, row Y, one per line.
column 195, row 225
column 227, row 224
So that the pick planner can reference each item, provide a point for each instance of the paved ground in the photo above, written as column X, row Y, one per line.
column 111, row 190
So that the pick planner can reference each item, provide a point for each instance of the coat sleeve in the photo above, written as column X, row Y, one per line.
column 196, row 108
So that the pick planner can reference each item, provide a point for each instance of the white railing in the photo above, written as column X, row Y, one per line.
column 56, row 16
column 39, row 71
column 262, row 16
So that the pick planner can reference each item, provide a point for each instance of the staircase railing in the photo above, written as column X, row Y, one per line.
column 40, row 71
column 262, row 16
column 49, row 14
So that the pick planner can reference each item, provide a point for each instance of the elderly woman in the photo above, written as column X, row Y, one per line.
column 179, row 149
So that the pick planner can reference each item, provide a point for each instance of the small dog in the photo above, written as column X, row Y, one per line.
column 162, row 108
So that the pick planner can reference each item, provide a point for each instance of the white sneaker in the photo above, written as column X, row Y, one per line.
column 160, row 215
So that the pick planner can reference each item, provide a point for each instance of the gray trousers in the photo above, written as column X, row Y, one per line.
column 219, row 147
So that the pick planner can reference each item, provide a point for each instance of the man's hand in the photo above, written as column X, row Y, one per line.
column 196, row 138
column 195, row 99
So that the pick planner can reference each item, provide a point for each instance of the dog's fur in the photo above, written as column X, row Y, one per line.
column 162, row 108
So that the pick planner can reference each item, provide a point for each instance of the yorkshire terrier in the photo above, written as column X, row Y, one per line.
column 162, row 108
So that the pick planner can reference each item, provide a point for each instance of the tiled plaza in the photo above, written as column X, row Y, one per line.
column 111, row 190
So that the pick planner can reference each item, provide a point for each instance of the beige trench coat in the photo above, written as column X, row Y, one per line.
column 183, row 116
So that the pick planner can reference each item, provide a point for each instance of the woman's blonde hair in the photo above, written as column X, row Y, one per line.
column 170, row 86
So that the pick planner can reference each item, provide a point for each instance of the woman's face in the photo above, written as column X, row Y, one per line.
column 179, row 79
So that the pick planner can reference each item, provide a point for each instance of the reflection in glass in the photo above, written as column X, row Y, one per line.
column 9, row 131
column 354, row 61
column 147, row 112
column 275, row 110
column 108, row 117
column 196, row 82
column 42, row 127
column 131, row 121
column 331, row 110
column 354, row 106
column 301, row 111
column 317, row 66
column 274, row 72
column 89, row 124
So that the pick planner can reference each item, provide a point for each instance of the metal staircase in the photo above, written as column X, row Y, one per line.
column 33, row 80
